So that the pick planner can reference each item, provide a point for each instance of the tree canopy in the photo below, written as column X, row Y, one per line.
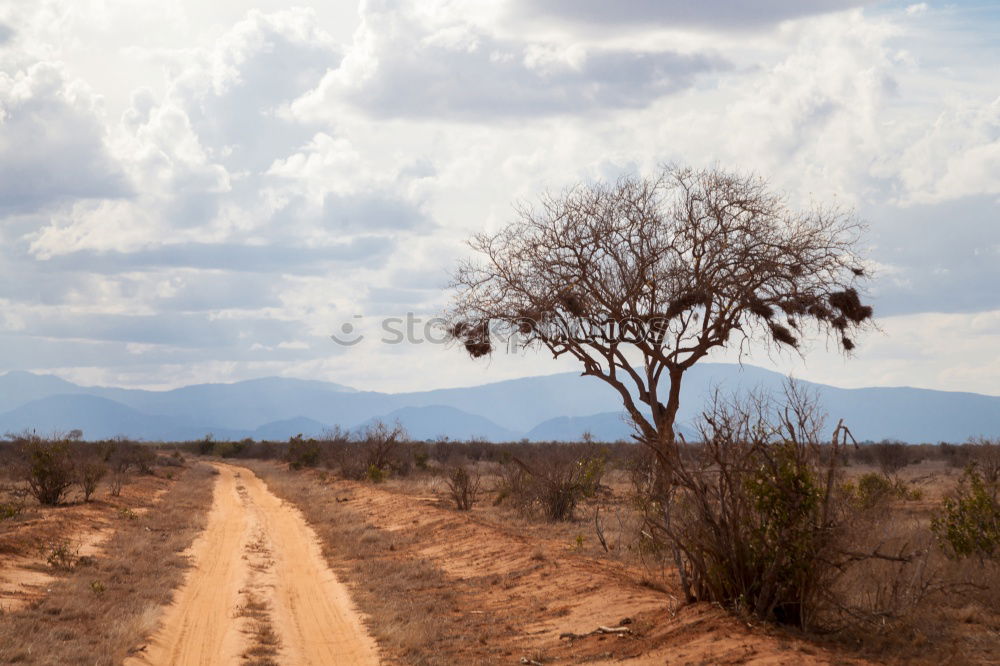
column 664, row 269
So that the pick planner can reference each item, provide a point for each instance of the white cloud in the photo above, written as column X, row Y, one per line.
column 405, row 62
column 706, row 14
column 288, row 169
column 959, row 155
column 52, row 141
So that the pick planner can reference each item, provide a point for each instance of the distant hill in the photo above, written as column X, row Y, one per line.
column 98, row 418
column 19, row 388
column 556, row 407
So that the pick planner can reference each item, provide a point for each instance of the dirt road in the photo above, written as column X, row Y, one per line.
column 259, row 588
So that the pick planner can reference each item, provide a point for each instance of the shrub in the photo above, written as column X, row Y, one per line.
column 380, row 446
column 891, row 456
column 748, row 516
column 206, row 445
column 873, row 489
column 421, row 456
column 986, row 453
column 123, row 456
column 512, row 484
column 968, row 523
column 62, row 555
column 229, row 449
column 463, row 487
column 375, row 474
column 372, row 454
column 302, row 452
column 11, row 501
column 48, row 469
column 10, row 510
column 556, row 482
column 89, row 474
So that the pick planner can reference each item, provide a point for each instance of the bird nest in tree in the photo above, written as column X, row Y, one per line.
column 686, row 301
column 850, row 306
column 475, row 337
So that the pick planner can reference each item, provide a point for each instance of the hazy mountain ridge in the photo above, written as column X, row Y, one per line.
column 558, row 407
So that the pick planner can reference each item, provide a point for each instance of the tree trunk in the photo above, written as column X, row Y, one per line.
column 666, row 433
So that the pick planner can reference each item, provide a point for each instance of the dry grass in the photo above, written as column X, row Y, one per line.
column 104, row 606
column 931, row 610
column 264, row 640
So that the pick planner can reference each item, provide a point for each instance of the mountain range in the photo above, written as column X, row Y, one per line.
column 558, row 407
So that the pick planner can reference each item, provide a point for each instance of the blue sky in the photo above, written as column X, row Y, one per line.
column 200, row 191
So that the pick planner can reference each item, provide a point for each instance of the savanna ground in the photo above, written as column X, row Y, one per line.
column 501, row 583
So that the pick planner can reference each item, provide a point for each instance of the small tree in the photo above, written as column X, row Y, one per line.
column 380, row 444
column 123, row 456
column 661, row 270
column 48, row 468
column 89, row 474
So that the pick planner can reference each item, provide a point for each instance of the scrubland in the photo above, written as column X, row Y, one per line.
column 472, row 552
column 84, row 582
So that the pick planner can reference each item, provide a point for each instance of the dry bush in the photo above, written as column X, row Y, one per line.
column 303, row 452
column 373, row 454
column 887, row 570
column 89, row 473
column 968, row 523
column 12, row 501
column 61, row 555
column 891, row 456
column 986, row 454
column 753, row 517
column 463, row 487
column 124, row 457
column 552, row 480
column 47, row 466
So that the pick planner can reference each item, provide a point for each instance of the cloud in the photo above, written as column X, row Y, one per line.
column 943, row 257
column 704, row 14
column 402, row 64
column 270, row 258
column 237, row 171
column 188, row 330
column 235, row 93
column 52, row 142
column 956, row 156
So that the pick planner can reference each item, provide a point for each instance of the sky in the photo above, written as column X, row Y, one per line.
column 207, row 191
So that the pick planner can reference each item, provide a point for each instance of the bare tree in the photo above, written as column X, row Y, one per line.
column 640, row 279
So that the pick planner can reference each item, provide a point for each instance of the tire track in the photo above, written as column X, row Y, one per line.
column 256, row 547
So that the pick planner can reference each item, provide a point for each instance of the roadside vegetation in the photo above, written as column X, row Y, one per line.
column 878, row 549
column 99, row 607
